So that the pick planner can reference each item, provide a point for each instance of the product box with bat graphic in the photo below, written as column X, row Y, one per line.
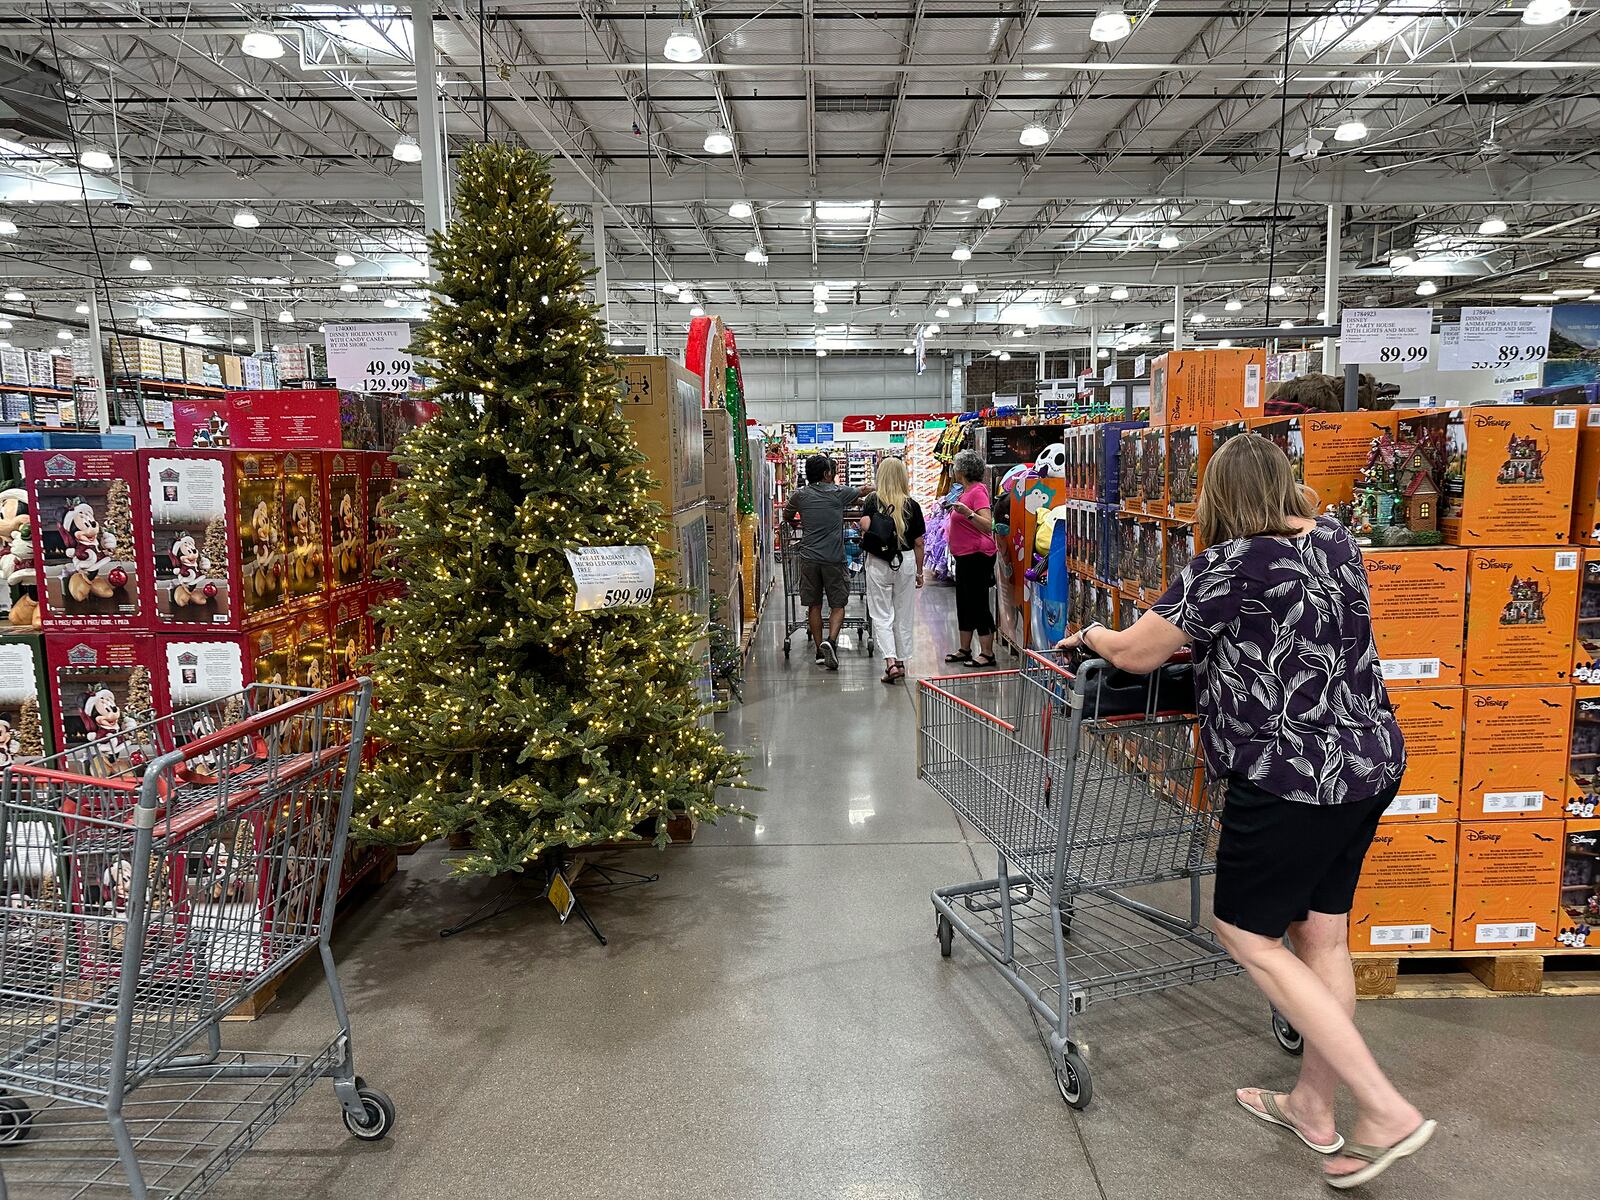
column 1514, row 763
column 1407, row 890
column 1431, row 720
column 1508, row 885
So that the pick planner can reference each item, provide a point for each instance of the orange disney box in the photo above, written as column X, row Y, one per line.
column 1514, row 756
column 1207, row 385
column 1407, row 890
column 1586, row 491
column 1328, row 451
column 1431, row 721
column 1508, row 472
column 1419, row 610
column 1508, row 885
column 1522, row 602
column 1580, row 887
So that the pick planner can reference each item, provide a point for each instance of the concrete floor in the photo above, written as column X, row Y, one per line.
column 773, row 1019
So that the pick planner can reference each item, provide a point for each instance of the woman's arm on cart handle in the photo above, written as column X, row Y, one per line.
column 1141, row 648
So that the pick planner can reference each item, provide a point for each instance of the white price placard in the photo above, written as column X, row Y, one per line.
column 1392, row 336
column 612, row 577
column 1141, row 367
column 370, row 356
column 1499, row 337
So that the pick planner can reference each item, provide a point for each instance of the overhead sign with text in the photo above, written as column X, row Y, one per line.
column 1385, row 335
column 370, row 356
column 1503, row 336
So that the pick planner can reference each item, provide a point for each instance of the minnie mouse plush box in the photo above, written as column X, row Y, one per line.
column 194, row 556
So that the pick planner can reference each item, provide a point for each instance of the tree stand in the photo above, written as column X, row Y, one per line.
column 560, row 888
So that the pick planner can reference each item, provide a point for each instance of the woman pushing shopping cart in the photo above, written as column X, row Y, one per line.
column 1277, row 783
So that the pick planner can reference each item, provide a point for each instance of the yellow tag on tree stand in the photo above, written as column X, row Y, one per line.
column 560, row 896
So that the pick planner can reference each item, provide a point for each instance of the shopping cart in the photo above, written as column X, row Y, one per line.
column 155, row 878
column 1089, row 785
column 790, row 538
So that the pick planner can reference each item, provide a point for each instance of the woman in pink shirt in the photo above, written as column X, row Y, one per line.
column 971, row 539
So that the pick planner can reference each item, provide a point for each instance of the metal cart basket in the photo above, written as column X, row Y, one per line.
column 1089, row 789
column 155, row 877
column 789, row 540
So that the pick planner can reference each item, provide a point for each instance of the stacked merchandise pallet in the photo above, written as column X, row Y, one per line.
column 923, row 465
column 1481, row 537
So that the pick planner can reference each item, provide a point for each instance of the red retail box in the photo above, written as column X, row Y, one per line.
column 306, row 545
column 87, row 509
column 192, row 550
column 348, row 634
column 101, row 687
column 202, row 423
column 285, row 419
column 198, row 668
column 345, row 519
column 258, row 500
column 292, row 651
column 381, row 481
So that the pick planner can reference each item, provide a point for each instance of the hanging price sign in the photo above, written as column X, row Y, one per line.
column 1396, row 336
column 1498, row 337
column 612, row 577
column 370, row 356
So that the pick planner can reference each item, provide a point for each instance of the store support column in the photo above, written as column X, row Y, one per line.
column 428, row 115
column 1177, row 316
column 1330, row 290
column 97, row 355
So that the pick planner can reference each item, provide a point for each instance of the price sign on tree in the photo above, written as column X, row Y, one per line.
column 1510, row 336
column 1395, row 336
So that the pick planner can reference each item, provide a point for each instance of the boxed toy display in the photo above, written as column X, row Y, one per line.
column 344, row 518
column 1521, row 608
column 1153, row 471
column 191, row 549
column 197, row 669
column 1507, row 472
column 1206, row 385
column 26, row 733
column 348, row 634
column 1583, row 753
column 1431, row 720
column 1188, row 450
column 258, row 501
column 1580, row 886
column 1419, row 606
column 292, row 651
column 1328, row 451
column 1514, row 756
column 1586, row 633
column 1508, row 885
column 1407, row 891
column 380, row 478
column 305, row 546
column 1586, row 488
column 85, row 507
column 101, row 688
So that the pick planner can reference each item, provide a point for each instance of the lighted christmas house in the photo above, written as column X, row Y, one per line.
column 1420, row 503
column 1396, row 499
column 1526, row 606
column 1524, row 461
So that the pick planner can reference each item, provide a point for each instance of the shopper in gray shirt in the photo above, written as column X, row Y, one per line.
column 821, row 506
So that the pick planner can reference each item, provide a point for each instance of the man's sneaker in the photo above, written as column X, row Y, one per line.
column 829, row 658
column 821, row 661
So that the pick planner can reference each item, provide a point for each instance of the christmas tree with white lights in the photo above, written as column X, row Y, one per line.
column 508, row 717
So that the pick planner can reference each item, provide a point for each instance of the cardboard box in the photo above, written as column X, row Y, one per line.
column 1153, row 471
column 1419, row 608
column 1580, row 886
column 292, row 650
column 306, row 549
column 344, row 518
column 380, row 476
column 1586, row 487
column 722, row 472
column 1432, row 721
column 348, row 636
column 27, row 732
column 1188, row 451
column 1514, row 761
column 1583, row 753
column 1406, row 895
column 687, row 537
column 198, row 668
column 88, row 514
column 263, row 539
column 1522, row 604
column 302, row 419
column 1508, row 885
column 1586, row 632
column 1327, row 450
column 661, row 400
column 1152, row 561
column 1507, row 472
column 1126, row 573
column 102, row 686
column 1130, row 468
column 191, row 548
column 1206, row 385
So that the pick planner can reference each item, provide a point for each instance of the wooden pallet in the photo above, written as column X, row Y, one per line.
column 1450, row 974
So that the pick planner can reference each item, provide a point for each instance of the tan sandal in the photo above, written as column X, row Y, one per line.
column 1380, row 1158
column 1274, row 1115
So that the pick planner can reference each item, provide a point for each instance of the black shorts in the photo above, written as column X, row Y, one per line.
column 1279, row 860
column 818, row 579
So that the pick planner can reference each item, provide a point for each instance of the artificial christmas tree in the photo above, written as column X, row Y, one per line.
column 509, row 717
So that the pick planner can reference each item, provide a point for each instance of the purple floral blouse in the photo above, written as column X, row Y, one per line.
column 1286, row 676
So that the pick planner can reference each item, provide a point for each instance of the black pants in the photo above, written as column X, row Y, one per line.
column 974, row 578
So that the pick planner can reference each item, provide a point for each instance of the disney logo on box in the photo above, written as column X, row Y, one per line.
column 1482, row 835
column 1489, row 702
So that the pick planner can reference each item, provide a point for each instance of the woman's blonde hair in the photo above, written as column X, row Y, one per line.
column 894, row 489
column 1250, row 489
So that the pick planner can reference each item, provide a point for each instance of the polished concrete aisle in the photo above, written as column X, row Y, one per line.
column 773, row 1019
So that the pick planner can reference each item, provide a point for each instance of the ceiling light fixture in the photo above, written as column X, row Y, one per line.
column 1170, row 241
column 1492, row 226
column 1225, row 344
column 181, row 292
column 1285, row 324
column 13, row 295
column 1538, row 297
column 1004, row 356
column 261, row 42
column 348, row 287
column 944, row 313
column 344, row 259
column 740, row 210
column 1322, row 316
column 96, row 160
column 1350, row 131
column 821, row 353
column 954, row 302
column 1069, row 301
column 245, row 219
column 407, row 150
column 285, row 317
column 1427, row 287
column 682, row 46
column 1592, row 262
column 1198, row 318
column 64, row 334
column 1034, row 135
column 1572, row 293
column 989, row 203
column 670, row 289
column 195, row 333
column 1234, row 305
column 238, row 339
column 1018, row 332
column 819, row 308
column 8, row 228
column 391, row 302
column 1399, row 262
column 908, row 350
column 969, row 289
column 686, row 295
column 1169, row 327
column 1119, row 293
column 145, row 323
column 697, row 311
column 718, row 141
column 755, row 255
column 1545, row 12
column 930, row 331
column 138, row 263
column 1277, row 291
column 1091, row 289
column 83, row 309
column 962, row 252
column 1104, row 354
column 1110, row 25
column 1238, row 203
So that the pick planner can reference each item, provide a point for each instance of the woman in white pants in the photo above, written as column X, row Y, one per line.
column 892, row 527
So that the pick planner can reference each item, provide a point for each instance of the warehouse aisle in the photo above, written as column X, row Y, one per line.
column 773, row 1019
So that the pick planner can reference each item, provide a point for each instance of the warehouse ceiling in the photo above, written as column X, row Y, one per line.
column 867, row 143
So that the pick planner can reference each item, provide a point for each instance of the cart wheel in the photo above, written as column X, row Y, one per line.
column 16, row 1120
column 1288, row 1036
column 379, row 1117
column 1072, row 1080
column 947, row 936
